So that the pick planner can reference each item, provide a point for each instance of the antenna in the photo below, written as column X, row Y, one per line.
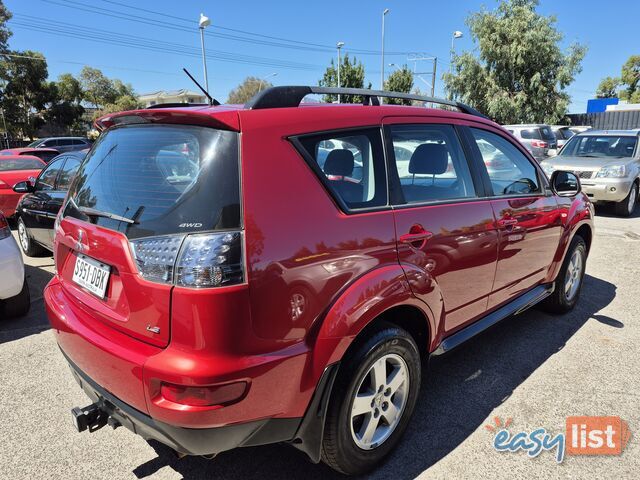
column 212, row 101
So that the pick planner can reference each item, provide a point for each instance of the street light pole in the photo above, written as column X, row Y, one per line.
column 384, row 14
column 456, row 34
column 264, row 78
column 339, row 45
column 204, row 23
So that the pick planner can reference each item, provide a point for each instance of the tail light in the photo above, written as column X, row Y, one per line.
column 197, row 260
column 5, row 231
column 539, row 144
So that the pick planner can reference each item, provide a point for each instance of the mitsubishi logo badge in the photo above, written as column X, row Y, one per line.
column 81, row 247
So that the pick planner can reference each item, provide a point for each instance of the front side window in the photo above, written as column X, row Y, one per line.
column 509, row 170
column 598, row 146
column 430, row 163
column 351, row 165
column 47, row 179
column 49, row 144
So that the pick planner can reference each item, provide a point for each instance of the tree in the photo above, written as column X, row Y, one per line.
column 247, row 89
column 69, row 89
column 521, row 73
column 400, row 80
column 26, row 91
column 631, row 79
column 351, row 76
column 97, row 88
column 5, row 33
column 608, row 87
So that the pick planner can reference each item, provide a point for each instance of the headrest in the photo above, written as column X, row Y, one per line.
column 339, row 162
column 429, row 159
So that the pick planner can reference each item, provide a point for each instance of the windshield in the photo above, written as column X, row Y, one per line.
column 20, row 164
column 599, row 146
column 164, row 179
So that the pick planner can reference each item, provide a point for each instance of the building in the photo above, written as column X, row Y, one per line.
column 171, row 96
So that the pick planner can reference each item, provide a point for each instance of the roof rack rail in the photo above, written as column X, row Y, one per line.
column 292, row 96
column 176, row 104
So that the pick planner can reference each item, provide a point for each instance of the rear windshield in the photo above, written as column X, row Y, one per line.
column 20, row 164
column 598, row 146
column 547, row 133
column 164, row 178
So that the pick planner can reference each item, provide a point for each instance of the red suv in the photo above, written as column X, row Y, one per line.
column 232, row 276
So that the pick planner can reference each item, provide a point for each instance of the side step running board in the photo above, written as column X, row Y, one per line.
column 519, row 305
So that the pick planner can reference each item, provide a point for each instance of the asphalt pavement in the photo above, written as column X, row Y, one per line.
column 534, row 369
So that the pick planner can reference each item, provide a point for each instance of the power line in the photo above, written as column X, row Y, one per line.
column 104, row 36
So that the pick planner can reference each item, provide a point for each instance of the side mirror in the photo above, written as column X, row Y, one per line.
column 565, row 184
column 23, row 187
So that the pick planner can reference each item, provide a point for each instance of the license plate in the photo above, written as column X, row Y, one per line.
column 92, row 275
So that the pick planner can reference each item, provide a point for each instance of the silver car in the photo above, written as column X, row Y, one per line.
column 562, row 133
column 538, row 138
column 607, row 163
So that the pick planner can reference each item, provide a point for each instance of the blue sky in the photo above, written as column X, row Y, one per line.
column 153, row 48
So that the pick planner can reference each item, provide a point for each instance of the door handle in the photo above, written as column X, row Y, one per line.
column 507, row 222
column 417, row 235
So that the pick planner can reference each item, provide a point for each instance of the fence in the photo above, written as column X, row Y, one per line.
column 616, row 120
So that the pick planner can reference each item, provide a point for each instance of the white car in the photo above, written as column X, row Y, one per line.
column 14, row 291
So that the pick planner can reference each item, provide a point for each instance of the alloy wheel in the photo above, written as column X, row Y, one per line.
column 23, row 236
column 573, row 276
column 632, row 198
column 379, row 402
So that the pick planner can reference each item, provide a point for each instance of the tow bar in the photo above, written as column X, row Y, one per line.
column 90, row 418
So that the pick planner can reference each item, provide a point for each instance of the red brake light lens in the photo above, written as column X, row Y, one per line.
column 214, row 395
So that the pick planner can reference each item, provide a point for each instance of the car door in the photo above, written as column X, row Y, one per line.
column 447, row 240
column 528, row 218
column 35, row 215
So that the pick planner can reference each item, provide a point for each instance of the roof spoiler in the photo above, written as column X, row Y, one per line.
column 292, row 96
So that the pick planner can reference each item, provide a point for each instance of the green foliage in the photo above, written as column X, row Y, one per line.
column 97, row 88
column 5, row 33
column 608, row 88
column 247, row 89
column 631, row 79
column 351, row 76
column 26, row 91
column 521, row 73
column 400, row 80
column 69, row 89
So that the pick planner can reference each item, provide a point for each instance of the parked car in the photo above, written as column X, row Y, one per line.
column 538, row 138
column 193, row 308
column 44, row 154
column 14, row 170
column 41, row 200
column 14, row 290
column 562, row 133
column 62, row 144
column 608, row 165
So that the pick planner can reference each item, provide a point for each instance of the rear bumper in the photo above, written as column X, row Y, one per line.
column 189, row 441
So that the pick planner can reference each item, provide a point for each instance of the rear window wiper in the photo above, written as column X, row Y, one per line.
column 92, row 212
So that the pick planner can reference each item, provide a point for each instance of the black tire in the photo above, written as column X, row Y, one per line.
column 17, row 306
column 558, row 301
column 339, row 449
column 28, row 246
column 626, row 207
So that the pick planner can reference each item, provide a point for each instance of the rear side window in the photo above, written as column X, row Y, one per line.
column 165, row 178
column 20, row 164
column 531, row 133
column 67, row 173
column 510, row 171
column 430, row 163
column 350, row 164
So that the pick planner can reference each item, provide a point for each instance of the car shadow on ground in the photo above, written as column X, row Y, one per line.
column 459, row 391
column 36, row 320
column 608, row 211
